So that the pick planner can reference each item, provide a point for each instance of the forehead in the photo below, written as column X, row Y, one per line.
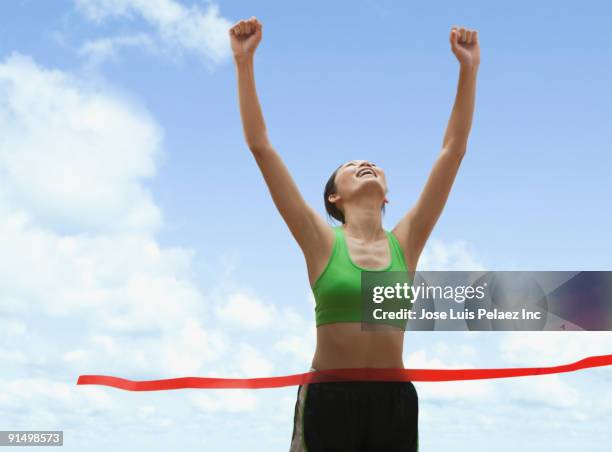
column 357, row 162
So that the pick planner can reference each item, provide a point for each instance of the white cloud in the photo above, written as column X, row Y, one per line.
column 285, row 408
column 188, row 351
column 252, row 362
column 226, row 400
column 549, row 348
column 12, row 357
column 85, row 287
column 100, row 50
column 70, row 156
column 300, row 347
column 79, row 255
column 50, row 394
column 298, row 341
column 245, row 311
column 457, row 255
column 177, row 26
column 149, row 413
column 543, row 390
column 76, row 223
column 11, row 328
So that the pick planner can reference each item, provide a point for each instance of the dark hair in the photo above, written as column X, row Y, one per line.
column 330, row 207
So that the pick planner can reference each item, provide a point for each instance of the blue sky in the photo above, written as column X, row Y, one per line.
column 134, row 223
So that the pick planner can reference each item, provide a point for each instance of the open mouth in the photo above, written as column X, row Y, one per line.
column 365, row 172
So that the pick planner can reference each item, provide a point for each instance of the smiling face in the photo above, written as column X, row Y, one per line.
column 356, row 178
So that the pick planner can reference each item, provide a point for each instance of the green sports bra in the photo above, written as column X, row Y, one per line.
column 337, row 290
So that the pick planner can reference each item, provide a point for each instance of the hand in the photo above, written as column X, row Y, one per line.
column 465, row 46
column 245, row 36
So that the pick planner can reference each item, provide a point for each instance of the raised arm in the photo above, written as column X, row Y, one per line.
column 414, row 228
column 309, row 229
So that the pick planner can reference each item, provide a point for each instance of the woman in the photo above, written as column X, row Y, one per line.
column 358, row 415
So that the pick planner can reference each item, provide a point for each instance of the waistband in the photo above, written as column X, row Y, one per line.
column 363, row 384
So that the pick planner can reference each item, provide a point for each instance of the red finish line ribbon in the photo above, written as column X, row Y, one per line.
column 354, row 374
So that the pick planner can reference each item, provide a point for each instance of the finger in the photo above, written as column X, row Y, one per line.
column 462, row 34
column 469, row 37
column 252, row 24
column 453, row 37
column 475, row 37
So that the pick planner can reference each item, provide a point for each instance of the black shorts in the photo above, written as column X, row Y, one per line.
column 356, row 416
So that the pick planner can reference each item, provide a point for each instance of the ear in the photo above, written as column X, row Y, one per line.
column 386, row 201
column 333, row 198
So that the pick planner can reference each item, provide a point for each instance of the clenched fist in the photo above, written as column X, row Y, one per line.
column 464, row 44
column 245, row 36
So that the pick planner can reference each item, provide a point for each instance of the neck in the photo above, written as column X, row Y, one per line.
column 364, row 220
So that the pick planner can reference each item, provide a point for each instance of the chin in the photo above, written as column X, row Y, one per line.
column 371, row 185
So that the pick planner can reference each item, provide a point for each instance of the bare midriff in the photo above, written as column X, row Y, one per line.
column 345, row 345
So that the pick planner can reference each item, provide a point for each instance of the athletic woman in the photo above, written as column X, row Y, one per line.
column 359, row 415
